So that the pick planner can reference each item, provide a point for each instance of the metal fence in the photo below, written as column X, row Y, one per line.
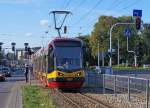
column 131, row 86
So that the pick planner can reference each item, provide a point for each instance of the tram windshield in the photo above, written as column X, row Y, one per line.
column 68, row 58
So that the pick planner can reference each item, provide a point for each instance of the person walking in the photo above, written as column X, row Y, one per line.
column 26, row 73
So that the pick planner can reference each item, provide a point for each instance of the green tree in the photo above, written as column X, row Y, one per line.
column 10, row 56
column 1, row 57
column 87, row 55
column 100, row 34
column 145, row 42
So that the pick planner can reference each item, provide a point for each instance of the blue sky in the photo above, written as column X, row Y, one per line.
column 27, row 20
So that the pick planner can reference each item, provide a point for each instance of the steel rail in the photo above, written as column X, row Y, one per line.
column 98, row 104
column 68, row 99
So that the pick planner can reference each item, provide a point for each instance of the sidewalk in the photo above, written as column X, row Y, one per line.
column 15, row 98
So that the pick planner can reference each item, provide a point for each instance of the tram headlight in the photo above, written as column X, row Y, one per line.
column 78, row 74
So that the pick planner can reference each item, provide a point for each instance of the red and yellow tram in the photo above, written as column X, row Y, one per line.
column 60, row 64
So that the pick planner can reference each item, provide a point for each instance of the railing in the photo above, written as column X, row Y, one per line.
column 131, row 86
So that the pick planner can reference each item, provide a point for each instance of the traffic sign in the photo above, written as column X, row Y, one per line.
column 127, row 32
column 137, row 13
column 113, row 50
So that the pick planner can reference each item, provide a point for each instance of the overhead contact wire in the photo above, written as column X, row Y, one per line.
column 90, row 11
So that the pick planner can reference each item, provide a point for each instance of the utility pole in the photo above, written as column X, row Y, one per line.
column 29, row 63
column 46, row 32
column 98, row 55
column 102, row 37
column 27, row 57
column 42, row 41
column 135, row 57
column 118, row 51
column 103, row 57
column 29, row 67
column 1, row 43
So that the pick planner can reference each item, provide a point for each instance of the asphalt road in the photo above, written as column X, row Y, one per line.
column 9, row 91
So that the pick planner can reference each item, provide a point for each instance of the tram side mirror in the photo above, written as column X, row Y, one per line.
column 50, row 49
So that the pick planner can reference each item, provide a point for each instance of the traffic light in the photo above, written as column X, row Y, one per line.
column 30, row 52
column 139, row 49
column 65, row 29
column 1, row 43
column 0, row 48
column 26, row 46
column 13, row 48
column 138, row 23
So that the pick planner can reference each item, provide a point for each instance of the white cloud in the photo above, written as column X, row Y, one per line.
column 29, row 34
column 44, row 23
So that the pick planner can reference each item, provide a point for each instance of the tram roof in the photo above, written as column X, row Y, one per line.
column 59, row 39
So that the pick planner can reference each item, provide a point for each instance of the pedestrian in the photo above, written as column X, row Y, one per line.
column 26, row 73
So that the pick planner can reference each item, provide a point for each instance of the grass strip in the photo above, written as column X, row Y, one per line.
column 129, row 68
column 36, row 97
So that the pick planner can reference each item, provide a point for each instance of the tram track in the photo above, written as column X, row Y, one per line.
column 97, row 103
column 79, row 100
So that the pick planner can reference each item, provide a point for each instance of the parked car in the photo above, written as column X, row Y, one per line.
column 2, row 76
column 6, row 71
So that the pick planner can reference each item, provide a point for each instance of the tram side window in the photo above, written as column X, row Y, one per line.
column 51, row 62
column 44, row 63
column 40, row 64
column 36, row 64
